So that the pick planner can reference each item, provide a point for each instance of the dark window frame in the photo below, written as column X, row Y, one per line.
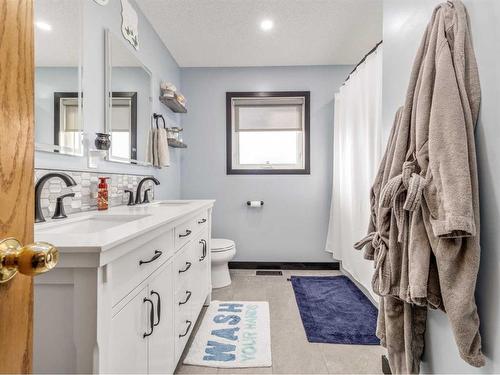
column 58, row 95
column 268, row 94
column 133, row 114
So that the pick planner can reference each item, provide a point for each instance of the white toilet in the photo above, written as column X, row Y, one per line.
column 222, row 252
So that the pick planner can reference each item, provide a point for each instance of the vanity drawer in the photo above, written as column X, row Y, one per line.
column 130, row 270
column 182, row 331
column 189, row 301
column 183, row 299
column 185, row 306
column 202, row 219
column 189, row 289
column 187, row 230
column 185, row 319
column 184, row 266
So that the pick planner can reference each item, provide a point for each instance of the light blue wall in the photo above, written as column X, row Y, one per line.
column 292, row 225
column 153, row 53
column 404, row 23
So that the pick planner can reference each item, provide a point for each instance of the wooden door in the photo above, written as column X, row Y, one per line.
column 161, row 342
column 16, row 176
column 128, row 352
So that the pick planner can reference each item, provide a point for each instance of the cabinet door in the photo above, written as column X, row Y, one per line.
column 161, row 342
column 128, row 347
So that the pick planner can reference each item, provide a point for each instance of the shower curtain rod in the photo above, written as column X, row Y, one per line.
column 362, row 60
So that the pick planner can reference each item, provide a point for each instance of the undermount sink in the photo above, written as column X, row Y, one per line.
column 86, row 224
column 171, row 203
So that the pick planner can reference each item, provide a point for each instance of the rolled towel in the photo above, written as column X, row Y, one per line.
column 168, row 94
column 167, row 86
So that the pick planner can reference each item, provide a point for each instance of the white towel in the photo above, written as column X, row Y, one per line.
column 157, row 147
column 156, row 160
column 163, row 152
column 149, row 147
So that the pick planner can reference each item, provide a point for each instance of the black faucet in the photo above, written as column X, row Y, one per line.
column 59, row 212
column 68, row 180
column 130, row 197
column 139, row 187
column 146, row 196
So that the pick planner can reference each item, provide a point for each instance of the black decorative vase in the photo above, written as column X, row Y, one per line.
column 102, row 141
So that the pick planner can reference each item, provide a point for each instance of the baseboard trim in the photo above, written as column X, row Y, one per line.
column 317, row 266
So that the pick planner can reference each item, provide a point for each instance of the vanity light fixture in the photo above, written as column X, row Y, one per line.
column 267, row 24
column 43, row 26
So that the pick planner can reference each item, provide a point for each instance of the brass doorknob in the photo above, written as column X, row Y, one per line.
column 29, row 260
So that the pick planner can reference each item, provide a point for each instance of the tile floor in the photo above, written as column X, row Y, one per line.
column 291, row 352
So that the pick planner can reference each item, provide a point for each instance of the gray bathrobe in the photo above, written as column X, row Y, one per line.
column 424, row 227
column 400, row 325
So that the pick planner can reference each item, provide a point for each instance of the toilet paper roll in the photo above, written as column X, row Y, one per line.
column 255, row 203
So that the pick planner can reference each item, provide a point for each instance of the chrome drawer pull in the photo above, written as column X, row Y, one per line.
column 204, row 254
column 188, row 266
column 187, row 329
column 188, row 232
column 156, row 256
column 188, row 293
column 151, row 318
column 202, row 221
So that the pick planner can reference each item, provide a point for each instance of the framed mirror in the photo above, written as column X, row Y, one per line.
column 58, row 76
column 128, row 102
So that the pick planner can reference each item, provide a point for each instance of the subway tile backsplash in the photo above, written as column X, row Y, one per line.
column 85, row 198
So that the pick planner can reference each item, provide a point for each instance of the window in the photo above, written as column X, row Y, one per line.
column 67, row 123
column 123, row 126
column 267, row 132
column 121, row 120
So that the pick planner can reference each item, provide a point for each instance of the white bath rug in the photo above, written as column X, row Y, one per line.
column 233, row 334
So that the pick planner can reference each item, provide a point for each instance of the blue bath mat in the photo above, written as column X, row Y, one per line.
column 334, row 310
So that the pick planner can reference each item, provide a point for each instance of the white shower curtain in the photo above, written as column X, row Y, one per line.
column 357, row 150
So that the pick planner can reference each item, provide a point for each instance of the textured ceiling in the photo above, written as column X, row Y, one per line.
column 61, row 45
column 215, row 33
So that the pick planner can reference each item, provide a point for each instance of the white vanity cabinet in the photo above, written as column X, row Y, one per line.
column 129, row 308
column 142, row 329
column 126, row 335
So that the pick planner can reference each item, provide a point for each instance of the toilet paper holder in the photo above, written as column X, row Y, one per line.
column 255, row 203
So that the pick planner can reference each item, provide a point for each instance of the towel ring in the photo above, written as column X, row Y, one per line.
column 156, row 116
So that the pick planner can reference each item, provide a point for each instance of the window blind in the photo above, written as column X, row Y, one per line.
column 268, row 114
column 69, row 115
column 121, row 116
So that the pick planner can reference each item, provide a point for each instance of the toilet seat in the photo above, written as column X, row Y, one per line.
column 221, row 244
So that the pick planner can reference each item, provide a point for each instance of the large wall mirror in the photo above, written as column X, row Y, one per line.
column 128, row 102
column 58, row 95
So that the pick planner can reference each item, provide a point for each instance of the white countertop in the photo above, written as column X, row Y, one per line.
column 151, row 216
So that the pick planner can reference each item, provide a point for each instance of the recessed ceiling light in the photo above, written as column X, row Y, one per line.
column 267, row 25
column 43, row 25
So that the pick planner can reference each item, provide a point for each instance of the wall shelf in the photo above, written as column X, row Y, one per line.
column 173, row 104
column 176, row 144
